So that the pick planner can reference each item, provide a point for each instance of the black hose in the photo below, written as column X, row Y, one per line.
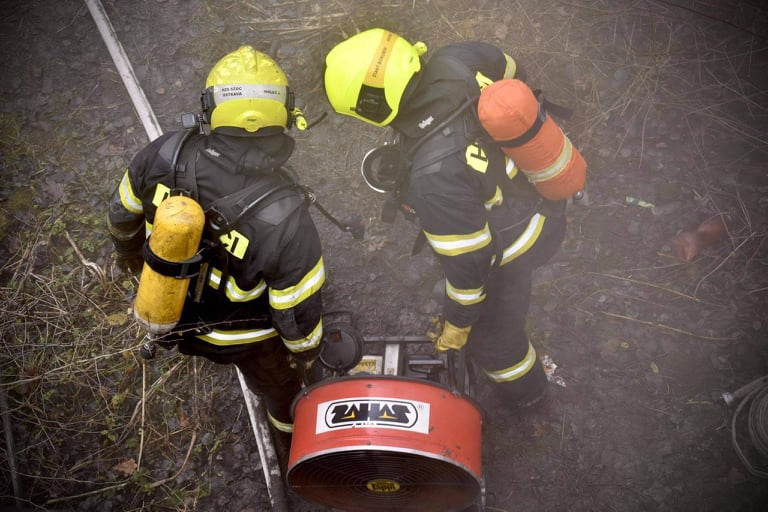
column 758, row 421
column 756, row 406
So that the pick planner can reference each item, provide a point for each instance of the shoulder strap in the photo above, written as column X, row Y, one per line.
column 444, row 129
column 170, row 149
column 225, row 213
column 184, row 181
column 457, row 67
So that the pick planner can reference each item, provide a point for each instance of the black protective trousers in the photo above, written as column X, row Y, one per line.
column 498, row 339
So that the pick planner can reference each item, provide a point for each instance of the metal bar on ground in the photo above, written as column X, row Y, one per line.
column 138, row 98
column 392, row 359
column 270, row 467
column 269, row 462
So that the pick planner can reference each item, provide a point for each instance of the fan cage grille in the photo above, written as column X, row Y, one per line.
column 347, row 480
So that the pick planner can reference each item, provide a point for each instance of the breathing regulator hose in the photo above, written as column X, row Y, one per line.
column 753, row 400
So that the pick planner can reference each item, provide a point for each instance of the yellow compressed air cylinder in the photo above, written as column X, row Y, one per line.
column 176, row 235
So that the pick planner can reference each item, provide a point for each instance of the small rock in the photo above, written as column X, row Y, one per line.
column 620, row 75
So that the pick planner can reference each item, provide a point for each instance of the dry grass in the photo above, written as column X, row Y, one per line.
column 72, row 377
column 82, row 415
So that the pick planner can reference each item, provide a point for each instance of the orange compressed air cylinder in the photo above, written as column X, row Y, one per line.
column 176, row 235
column 508, row 109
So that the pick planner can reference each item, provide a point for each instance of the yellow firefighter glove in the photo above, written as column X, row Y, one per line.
column 452, row 337
column 435, row 328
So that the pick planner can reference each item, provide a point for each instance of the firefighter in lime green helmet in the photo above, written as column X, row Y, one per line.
column 254, row 299
column 487, row 225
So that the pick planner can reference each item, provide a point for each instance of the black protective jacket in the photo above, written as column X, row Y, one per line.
column 475, row 207
column 267, row 276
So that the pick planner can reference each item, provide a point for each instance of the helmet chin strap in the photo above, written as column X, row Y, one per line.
column 316, row 121
column 208, row 104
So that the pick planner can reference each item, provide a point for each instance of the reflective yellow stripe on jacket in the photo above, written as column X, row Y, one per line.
column 496, row 200
column 454, row 245
column 525, row 240
column 308, row 342
column 128, row 198
column 293, row 295
column 237, row 337
column 465, row 297
column 510, row 69
column 233, row 292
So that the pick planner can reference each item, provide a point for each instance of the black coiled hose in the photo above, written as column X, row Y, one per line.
column 755, row 404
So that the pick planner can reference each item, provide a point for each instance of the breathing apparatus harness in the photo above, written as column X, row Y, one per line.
column 196, row 122
column 386, row 168
column 224, row 214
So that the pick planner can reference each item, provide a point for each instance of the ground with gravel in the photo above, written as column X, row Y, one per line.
column 646, row 330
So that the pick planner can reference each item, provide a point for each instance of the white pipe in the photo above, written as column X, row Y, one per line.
column 125, row 69
column 269, row 461
column 267, row 453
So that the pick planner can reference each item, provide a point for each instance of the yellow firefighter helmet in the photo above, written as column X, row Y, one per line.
column 366, row 75
column 247, row 89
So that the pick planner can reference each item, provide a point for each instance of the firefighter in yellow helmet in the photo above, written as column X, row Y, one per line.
column 485, row 222
column 255, row 300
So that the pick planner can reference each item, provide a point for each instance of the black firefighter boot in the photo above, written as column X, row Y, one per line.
column 525, row 392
